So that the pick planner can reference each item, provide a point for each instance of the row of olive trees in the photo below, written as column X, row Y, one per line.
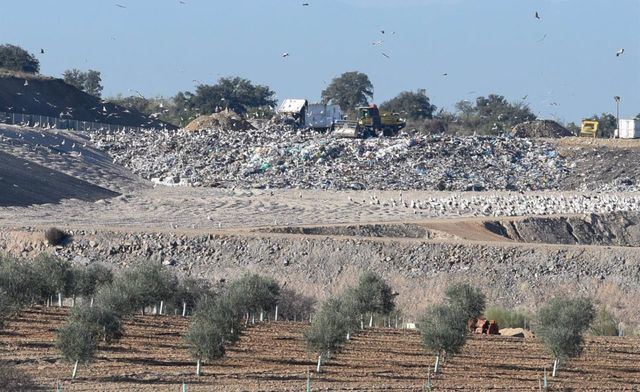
column 146, row 286
column 560, row 324
column 340, row 316
column 24, row 283
column 217, row 320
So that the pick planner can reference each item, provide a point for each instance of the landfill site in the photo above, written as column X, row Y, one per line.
column 527, row 217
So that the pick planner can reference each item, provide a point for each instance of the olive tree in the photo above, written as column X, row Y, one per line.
column 444, row 330
column 329, row 328
column 77, row 342
column 560, row 325
column 106, row 323
column 253, row 293
column 148, row 284
column 205, row 341
column 88, row 279
column 372, row 295
column 188, row 292
column 293, row 305
column 469, row 300
column 54, row 277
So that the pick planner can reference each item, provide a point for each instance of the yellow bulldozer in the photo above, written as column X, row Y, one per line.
column 370, row 121
column 589, row 128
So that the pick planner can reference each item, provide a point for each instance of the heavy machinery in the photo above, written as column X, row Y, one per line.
column 589, row 128
column 370, row 122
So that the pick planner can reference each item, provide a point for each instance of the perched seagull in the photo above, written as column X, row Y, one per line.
column 285, row 55
column 538, row 15
column 619, row 52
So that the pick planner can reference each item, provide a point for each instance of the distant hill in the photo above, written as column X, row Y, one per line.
column 37, row 94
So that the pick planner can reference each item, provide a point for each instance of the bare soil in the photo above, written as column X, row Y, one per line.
column 272, row 357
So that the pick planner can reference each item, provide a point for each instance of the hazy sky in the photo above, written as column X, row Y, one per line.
column 564, row 63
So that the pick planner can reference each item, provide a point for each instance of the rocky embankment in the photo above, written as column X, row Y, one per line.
column 517, row 274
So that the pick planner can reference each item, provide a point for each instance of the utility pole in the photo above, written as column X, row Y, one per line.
column 617, row 99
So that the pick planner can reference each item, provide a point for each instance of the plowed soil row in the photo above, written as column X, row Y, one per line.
column 152, row 356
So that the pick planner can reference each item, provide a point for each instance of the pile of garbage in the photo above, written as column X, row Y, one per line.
column 540, row 128
column 226, row 119
column 275, row 156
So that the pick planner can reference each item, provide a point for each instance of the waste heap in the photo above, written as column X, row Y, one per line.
column 226, row 119
column 275, row 156
column 540, row 128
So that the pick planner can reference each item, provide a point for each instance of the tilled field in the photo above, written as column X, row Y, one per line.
column 271, row 357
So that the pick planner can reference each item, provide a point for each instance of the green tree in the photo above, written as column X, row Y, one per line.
column 443, row 329
column 148, row 284
column 470, row 300
column 491, row 115
column 561, row 323
column 232, row 93
column 372, row 295
column 89, row 278
column 412, row 105
column 205, row 341
column 329, row 328
column 89, row 81
column 19, row 284
column 77, row 343
column 54, row 277
column 254, row 293
column 188, row 292
column 17, row 59
column 293, row 305
column 106, row 323
column 349, row 90
column 604, row 324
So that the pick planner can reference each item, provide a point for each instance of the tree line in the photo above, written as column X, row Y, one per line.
column 488, row 115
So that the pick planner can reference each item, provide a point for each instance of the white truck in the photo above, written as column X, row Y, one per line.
column 317, row 116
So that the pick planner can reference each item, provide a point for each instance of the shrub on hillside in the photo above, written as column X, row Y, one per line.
column 560, row 325
column 604, row 324
column 55, row 236
column 15, row 58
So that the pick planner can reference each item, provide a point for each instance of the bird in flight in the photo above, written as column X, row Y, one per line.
column 538, row 15
column 41, row 51
column 120, row 5
column 386, row 55
column 285, row 55
column 305, row 4
column 619, row 52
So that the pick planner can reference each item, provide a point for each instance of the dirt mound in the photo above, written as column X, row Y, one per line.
column 517, row 333
column 227, row 120
column 36, row 94
column 540, row 128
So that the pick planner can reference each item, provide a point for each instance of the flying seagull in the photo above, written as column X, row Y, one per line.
column 619, row 52
column 305, row 4
column 41, row 51
column 538, row 15
column 285, row 55
column 120, row 5
column 385, row 55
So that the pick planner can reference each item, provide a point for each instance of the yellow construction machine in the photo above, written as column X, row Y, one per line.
column 589, row 128
column 370, row 121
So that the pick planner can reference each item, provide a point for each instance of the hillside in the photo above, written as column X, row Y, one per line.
column 36, row 94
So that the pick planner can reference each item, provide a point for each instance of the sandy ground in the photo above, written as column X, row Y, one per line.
column 166, row 208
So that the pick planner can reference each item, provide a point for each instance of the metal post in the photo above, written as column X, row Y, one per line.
column 617, row 99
